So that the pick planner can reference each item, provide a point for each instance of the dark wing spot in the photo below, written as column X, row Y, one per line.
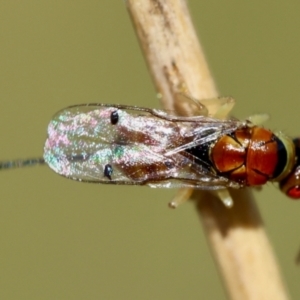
column 108, row 170
column 114, row 117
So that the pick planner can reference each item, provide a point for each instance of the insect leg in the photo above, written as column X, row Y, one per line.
column 188, row 106
column 184, row 194
column 225, row 197
column 220, row 107
column 181, row 197
column 258, row 119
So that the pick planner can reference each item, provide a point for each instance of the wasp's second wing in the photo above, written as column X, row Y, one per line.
column 129, row 145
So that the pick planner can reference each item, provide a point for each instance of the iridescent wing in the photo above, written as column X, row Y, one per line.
column 119, row 144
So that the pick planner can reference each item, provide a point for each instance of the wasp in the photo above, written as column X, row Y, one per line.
column 130, row 145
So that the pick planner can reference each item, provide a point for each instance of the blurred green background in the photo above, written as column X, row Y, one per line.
column 65, row 240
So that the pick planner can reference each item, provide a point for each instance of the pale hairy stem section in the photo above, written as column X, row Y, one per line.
column 177, row 64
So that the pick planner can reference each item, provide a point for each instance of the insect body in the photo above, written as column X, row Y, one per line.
column 118, row 144
column 131, row 145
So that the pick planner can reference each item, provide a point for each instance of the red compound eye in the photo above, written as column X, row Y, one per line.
column 294, row 192
column 291, row 184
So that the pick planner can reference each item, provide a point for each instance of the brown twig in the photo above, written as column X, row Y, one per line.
column 237, row 237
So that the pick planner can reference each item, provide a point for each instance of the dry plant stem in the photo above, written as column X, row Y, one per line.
column 177, row 64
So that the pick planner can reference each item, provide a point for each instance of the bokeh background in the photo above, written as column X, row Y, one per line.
column 61, row 239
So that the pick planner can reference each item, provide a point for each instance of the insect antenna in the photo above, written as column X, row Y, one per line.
column 20, row 163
